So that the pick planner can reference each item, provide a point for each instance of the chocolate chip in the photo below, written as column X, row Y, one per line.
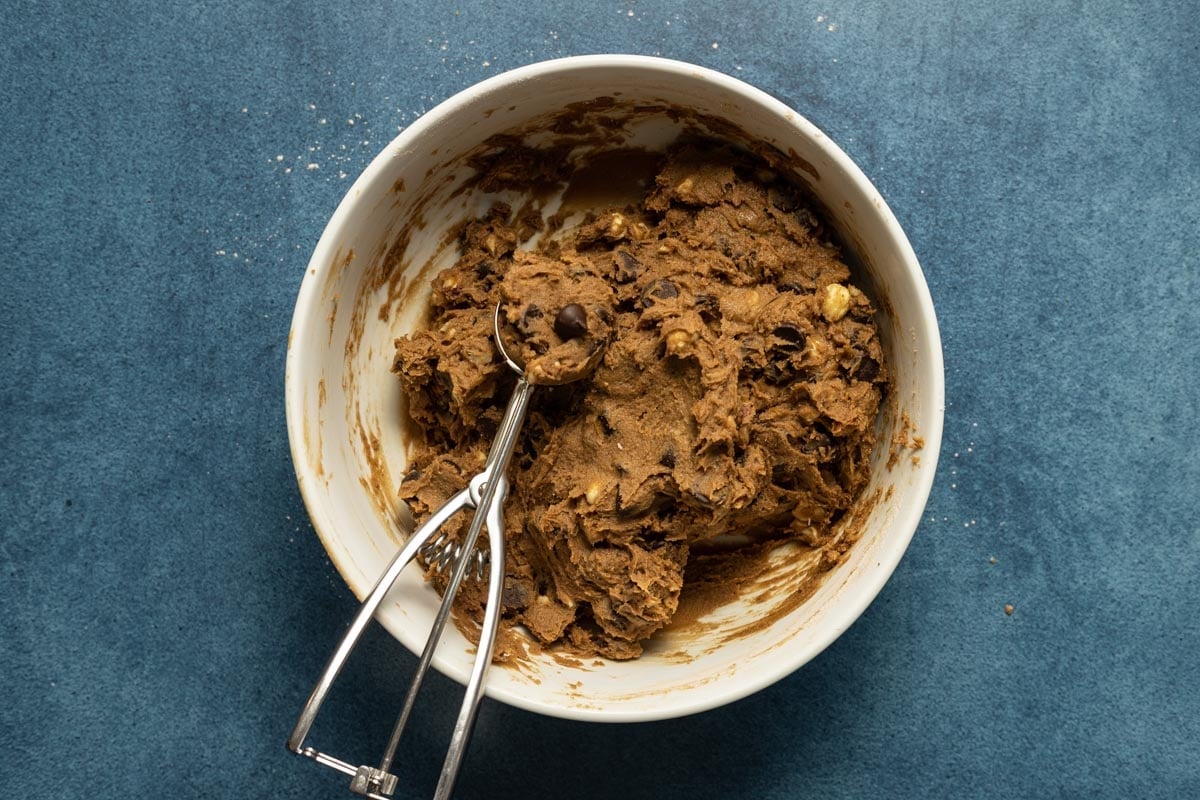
column 790, row 333
column 751, row 347
column 668, row 459
column 661, row 289
column 571, row 322
column 823, row 446
column 790, row 338
column 868, row 370
column 530, row 313
column 782, row 199
column 487, row 426
column 516, row 594
column 627, row 266
column 776, row 373
column 605, row 425
column 709, row 307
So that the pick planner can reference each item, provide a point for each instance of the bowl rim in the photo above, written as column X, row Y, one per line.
column 904, row 526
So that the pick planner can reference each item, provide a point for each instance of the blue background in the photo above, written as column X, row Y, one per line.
column 166, row 171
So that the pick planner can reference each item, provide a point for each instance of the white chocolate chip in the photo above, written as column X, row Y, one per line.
column 592, row 494
column 685, row 185
column 836, row 302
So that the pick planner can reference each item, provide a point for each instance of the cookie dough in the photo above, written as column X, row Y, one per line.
column 726, row 384
column 563, row 313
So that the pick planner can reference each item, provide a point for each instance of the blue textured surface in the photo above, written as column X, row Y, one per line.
column 165, row 605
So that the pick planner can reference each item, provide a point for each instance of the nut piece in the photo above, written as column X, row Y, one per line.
column 491, row 244
column 592, row 494
column 616, row 228
column 571, row 322
column 679, row 342
column 836, row 302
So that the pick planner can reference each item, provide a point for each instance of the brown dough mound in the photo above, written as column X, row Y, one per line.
column 728, row 382
column 535, row 291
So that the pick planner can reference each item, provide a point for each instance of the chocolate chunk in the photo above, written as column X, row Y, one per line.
column 605, row 425
column 627, row 266
column 791, row 338
column 528, row 316
column 868, row 370
column 661, row 289
column 571, row 322
column 776, row 373
column 790, row 333
column 516, row 594
column 709, row 307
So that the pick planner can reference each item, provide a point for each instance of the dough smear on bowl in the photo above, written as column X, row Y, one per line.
column 717, row 375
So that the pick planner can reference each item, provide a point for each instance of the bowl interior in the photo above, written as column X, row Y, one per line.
column 367, row 283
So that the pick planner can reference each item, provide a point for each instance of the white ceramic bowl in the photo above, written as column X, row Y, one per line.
column 344, row 405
